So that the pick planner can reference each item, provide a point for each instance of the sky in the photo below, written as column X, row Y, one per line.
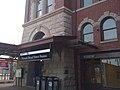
column 11, row 20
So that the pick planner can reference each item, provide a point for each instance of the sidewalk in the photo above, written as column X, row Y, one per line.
column 6, row 81
column 9, row 86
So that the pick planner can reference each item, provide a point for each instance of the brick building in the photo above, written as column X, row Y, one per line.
column 77, row 41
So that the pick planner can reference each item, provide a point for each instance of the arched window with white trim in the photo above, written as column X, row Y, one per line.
column 87, row 33
column 108, row 29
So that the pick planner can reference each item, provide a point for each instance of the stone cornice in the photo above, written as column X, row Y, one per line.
column 55, row 12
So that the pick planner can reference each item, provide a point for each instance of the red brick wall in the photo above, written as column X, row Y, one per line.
column 59, row 4
column 68, row 3
column 95, row 12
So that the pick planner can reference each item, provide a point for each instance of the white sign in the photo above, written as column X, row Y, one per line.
column 18, row 73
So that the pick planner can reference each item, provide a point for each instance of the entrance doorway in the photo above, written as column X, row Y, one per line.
column 34, row 70
column 92, row 75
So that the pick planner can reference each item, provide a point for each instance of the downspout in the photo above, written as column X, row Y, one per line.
column 74, row 33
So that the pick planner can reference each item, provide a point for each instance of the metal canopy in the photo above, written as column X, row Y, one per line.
column 8, row 49
column 70, row 41
column 75, row 43
column 54, row 39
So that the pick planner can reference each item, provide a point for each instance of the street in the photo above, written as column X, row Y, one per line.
column 9, row 86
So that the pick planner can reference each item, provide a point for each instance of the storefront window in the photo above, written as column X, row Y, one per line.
column 111, row 72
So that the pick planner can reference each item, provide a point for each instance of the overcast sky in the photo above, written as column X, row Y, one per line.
column 11, row 20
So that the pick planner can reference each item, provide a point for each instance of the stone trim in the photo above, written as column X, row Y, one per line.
column 108, row 13
column 38, row 28
column 96, row 3
column 48, row 15
column 85, row 20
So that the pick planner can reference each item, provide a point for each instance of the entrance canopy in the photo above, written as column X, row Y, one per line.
column 8, row 49
column 41, row 48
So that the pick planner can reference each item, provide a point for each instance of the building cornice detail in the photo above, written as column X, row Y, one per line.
column 55, row 12
column 90, row 5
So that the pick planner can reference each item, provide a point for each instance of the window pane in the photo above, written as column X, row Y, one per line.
column 87, row 2
column 111, row 72
column 49, row 8
column 39, row 13
column 88, row 38
column 88, row 33
column 39, row 7
column 49, row 2
column 110, row 34
column 109, row 23
column 88, row 29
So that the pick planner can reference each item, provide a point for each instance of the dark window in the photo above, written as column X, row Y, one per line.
column 39, row 8
column 87, row 33
column 49, row 5
column 87, row 2
column 38, row 35
column 108, row 29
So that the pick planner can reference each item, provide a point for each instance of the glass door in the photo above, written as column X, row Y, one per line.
column 92, row 75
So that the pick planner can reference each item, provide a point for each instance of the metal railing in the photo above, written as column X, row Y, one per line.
column 4, row 77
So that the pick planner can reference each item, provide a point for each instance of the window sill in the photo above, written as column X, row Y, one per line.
column 113, row 40
column 82, row 8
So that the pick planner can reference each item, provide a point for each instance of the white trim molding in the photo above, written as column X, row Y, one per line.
column 41, row 28
column 48, row 15
column 85, row 20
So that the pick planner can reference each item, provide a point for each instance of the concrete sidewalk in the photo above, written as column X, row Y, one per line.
column 10, row 86
column 6, row 81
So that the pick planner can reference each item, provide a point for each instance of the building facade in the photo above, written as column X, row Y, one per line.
column 82, row 38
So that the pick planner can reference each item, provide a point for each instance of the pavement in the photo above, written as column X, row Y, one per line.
column 10, row 86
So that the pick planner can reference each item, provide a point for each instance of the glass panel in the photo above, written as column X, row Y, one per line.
column 49, row 2
column 88, row 38
column 88, row 29
column 109, row 23
column 110, row 34
column 49, row 8
column 39, row 13
column 87, row 2
column 39, row 8
column 110, row 72
column 39, row 5
column 97, row 75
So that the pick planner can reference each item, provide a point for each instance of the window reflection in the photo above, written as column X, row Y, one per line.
column 110, row 72
column 49, row 6
column 88, row 33
column 109, row 30
column 87, row 2
column 39, row 8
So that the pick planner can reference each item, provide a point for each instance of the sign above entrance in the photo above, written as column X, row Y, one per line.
column 35, row 55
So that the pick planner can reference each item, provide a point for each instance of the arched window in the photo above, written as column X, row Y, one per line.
column 87, row 33
column 38, row 35
column 108, row 29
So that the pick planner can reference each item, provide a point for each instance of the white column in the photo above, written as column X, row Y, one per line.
column 33, row 9
column 44, row 4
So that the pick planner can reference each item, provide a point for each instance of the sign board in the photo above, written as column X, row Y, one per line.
column 33, row 55
column 18, row 73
